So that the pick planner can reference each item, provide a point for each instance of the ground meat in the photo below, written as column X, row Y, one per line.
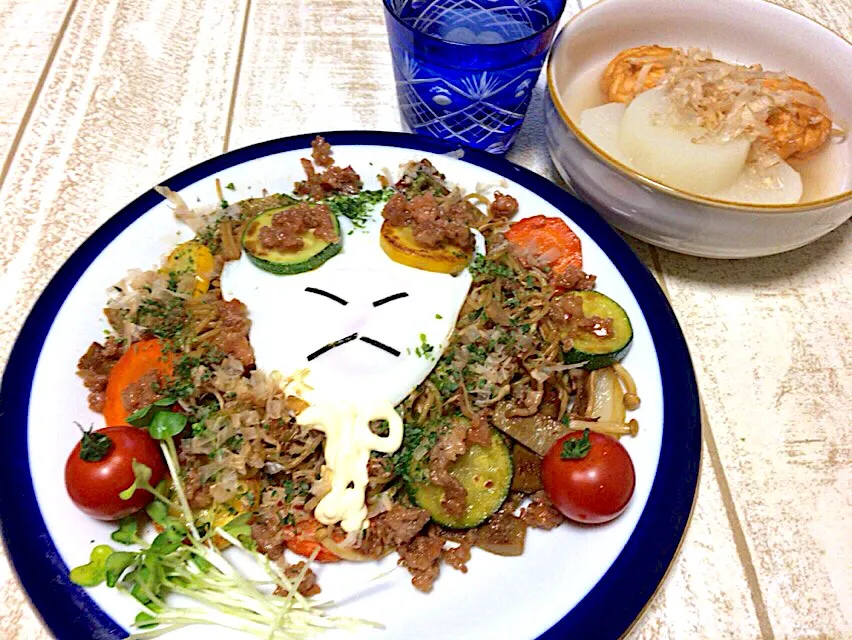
column 269, row 533
column 458, row 557
column 573, row 279
column 310, row 187
column 458, row 554
column 479, row 432
column 396, row 211
column 321, row 152
column 579, row 379
column 463, row 212
column 197, row 492
column 391, row 529
column 95, row 366
column 453, row 535
column 540, row 513
column 307, row 587
column 270, row 540
column 232, row 336
column 601, row 327
column 447, row 449
column 379, row 472
column 526, row 466
column 422, row 558
column 432, row 224
column 504, row 533
column 503, row 206
column 142, row 392
column 568, row 309
column 333, row 180
column 287, row 228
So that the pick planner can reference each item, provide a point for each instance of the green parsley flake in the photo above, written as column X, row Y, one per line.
column 358, row 207
column 482, row 267
column 425, row 350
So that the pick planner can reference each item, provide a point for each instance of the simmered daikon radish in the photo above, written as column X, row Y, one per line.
column 678, row 155
column 601, row 125
column 778, row 184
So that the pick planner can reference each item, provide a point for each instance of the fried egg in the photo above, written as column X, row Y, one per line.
column 361, row 324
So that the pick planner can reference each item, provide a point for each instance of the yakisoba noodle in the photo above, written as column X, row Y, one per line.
column 533, row 355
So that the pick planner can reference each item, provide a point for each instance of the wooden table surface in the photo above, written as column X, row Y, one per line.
column 103, row 98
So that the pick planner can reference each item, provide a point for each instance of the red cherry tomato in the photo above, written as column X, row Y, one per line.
column 591, row 489
column 94, row 484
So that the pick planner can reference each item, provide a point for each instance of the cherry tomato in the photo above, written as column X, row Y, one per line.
column 594, row 485
column 100, row 467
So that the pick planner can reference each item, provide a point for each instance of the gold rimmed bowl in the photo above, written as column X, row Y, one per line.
column 736, row 31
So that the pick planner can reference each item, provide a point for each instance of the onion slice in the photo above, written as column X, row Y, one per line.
column 607, row 396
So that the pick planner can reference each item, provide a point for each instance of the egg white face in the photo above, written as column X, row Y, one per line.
column 355, row 323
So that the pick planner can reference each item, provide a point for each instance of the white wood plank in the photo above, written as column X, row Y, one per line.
column 770, row 339
column 28, row 31
column 771, row 343
column 705, row 594
column 314, row 66
column 138, row 90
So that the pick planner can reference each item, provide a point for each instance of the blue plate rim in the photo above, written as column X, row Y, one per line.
column 608, row 610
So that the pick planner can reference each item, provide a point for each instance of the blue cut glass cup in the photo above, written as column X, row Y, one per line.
column 465, row 69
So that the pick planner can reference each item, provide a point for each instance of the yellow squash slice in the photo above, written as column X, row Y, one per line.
column 191, row 257
column 400, row 246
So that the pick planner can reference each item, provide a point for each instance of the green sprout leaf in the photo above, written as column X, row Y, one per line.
column 116, row 564
column 93, row 573
column 240, row 528
column 143, row 417
column 157, row 511
column 166, row 542
column 575, row 449
column 142, row 475
column 145, row 621
column 140, row 578
column 166, row 424
column 126, row 533
column 201, row 563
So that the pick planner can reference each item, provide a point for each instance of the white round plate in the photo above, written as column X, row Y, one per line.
column 579, row 581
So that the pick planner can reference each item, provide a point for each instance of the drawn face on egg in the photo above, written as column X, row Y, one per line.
column 358, row 323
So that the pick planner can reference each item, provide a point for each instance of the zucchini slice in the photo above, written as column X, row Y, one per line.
column 486, row 474
column 596, row 351
column 309, row 257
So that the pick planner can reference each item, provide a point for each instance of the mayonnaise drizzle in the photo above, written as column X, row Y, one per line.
column 348, row 443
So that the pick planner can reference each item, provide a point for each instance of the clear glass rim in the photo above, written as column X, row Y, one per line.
column 467, row 45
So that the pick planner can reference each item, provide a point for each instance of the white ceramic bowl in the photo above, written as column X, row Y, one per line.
column 745, row 31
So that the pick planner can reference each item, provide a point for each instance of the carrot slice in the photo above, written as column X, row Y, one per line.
column 548, row 238
column 305, row 542
column 140, row 359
